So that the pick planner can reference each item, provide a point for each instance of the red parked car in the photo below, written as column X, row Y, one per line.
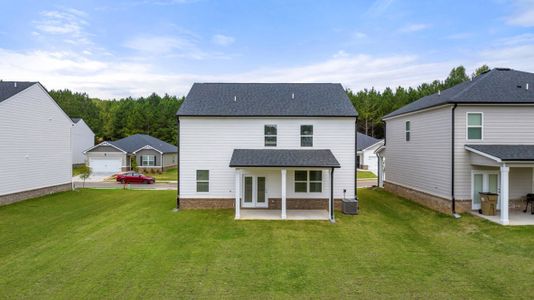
column 133, row 177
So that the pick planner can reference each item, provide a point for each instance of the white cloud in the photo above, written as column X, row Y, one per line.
column 459, row 36
column 526, row 38
column 414, row 27
column 69, row 25
column 115, row 78
column 523, row 15
column 222, row 40
column 379, row 7
column 179, row 46
column 359, row 35
column 515, row 57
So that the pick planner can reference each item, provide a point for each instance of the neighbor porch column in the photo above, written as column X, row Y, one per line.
column 283, row 203
column 380, row 171
column 505, row 193
column 237, row 193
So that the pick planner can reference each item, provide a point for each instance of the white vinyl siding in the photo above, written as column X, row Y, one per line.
column 208, row 143
column 35, row 142
column 82, row 139
column 424, row 163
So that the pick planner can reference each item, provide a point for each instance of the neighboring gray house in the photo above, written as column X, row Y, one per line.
column 367, row 158
column 149, row 152
column 477, row 136
column 35, row 143
column 82, row 138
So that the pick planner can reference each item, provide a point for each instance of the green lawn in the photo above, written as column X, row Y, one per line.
column 76, row 171
column 169, row 175
column 366, row 175
column 129, row 244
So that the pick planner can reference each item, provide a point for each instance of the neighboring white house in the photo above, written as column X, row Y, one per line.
column 272, row 146
column 477, row 136
column 367, row 158
column 82, row 138
column 150, row 153
column 35, row 147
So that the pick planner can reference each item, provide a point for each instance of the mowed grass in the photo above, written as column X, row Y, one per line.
column 365, row 175
column 169, row 175
column 130, row 244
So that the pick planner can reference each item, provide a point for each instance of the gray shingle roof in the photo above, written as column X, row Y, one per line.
column 267, row 99
column 137, row 141
column 8, row 88
column 499, row 86
column 507, row 152
column 283, row 158
column 365, row 141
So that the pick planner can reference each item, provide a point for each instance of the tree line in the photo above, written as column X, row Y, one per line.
column 155, row 115
column 115, row 119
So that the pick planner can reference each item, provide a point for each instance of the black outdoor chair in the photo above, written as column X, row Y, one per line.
column 530, row 200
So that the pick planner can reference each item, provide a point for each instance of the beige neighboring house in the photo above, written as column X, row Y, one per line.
column 35, row 143
column 149, row 153
column 478, row 136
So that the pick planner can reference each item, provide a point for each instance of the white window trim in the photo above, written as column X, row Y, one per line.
column 270, row 135
column 308, row 181
column 148, row 160
column 408, row 131
column 306, row 135
column 197, row 180
column 467, row 126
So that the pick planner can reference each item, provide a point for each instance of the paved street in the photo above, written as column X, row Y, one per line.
column 115, row 185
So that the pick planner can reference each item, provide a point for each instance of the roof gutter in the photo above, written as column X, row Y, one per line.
column 453, row 206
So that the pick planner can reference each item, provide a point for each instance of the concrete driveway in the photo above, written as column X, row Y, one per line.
column 97, row 177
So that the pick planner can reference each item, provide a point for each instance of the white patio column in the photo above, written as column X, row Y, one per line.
column 380, row 171
column 505, row 193
column 283, row 203
column 237, row 193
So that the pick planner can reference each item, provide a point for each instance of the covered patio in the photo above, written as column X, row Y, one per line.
column 261, row 180
column 507, row 170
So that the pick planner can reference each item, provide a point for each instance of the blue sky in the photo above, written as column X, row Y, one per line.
column 132, row 48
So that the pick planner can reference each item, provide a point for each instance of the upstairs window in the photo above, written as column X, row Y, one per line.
column 408, row 130
column 306, row 135
column 474, row 126
column 270, row 133
column 203, row 181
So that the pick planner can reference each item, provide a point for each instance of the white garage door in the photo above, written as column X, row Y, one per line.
column 107, row 165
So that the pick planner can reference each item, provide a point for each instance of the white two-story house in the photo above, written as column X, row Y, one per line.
column 478, row 136
column 258, row 146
